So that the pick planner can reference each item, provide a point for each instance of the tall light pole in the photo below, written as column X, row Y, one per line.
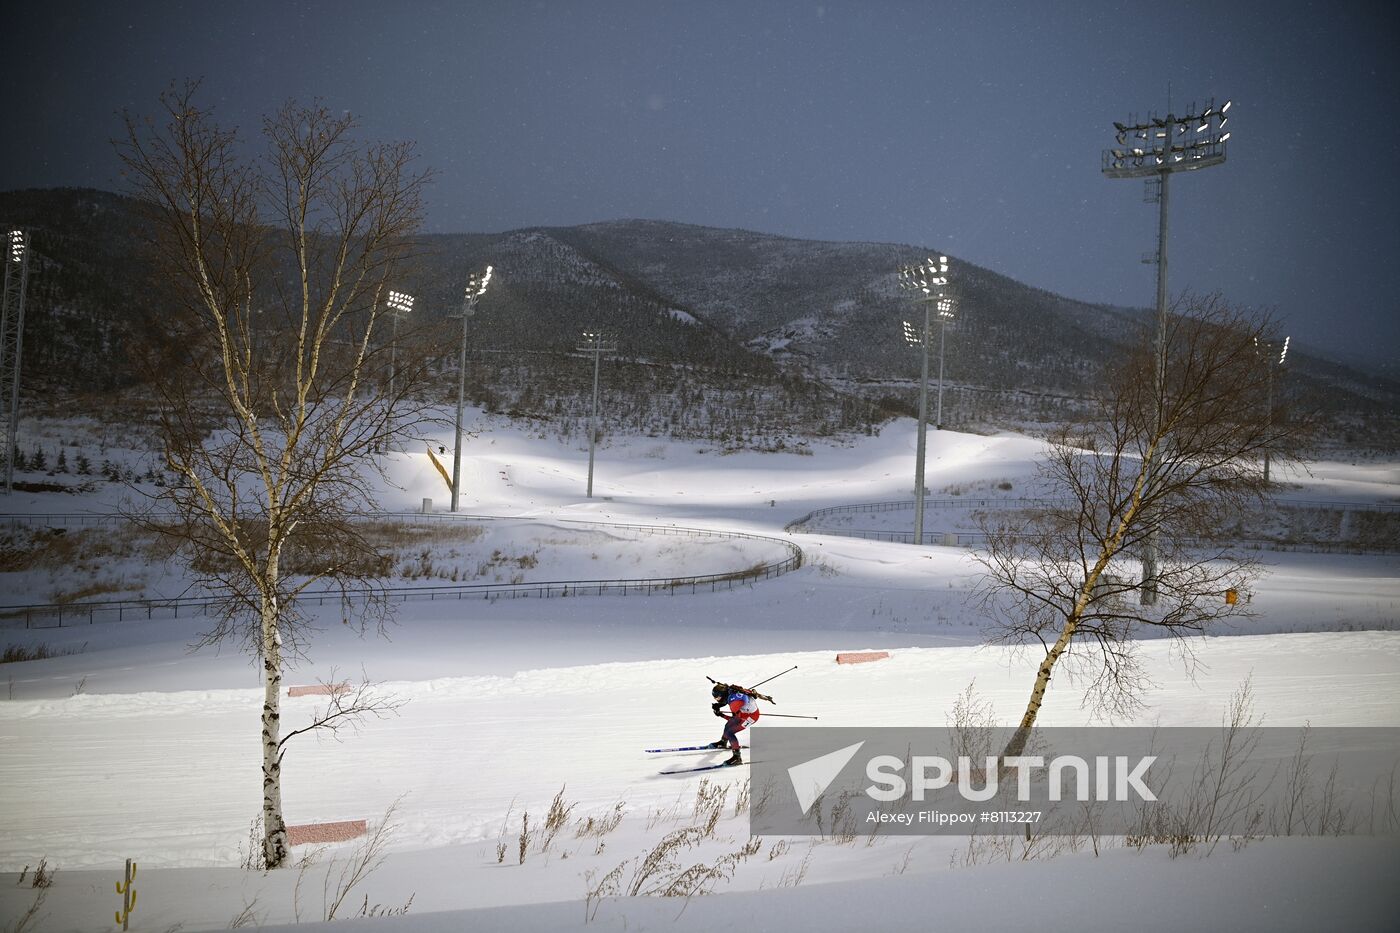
column 399, row 304
column 16, row 261
column 945, row 314
column 926, row 282
column 1267, row 351
column 476, row 287
column 1156, row 149
column 593, row 343
column 919, row 338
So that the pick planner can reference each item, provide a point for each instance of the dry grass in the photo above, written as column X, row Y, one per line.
column 709, row 805
column 667, row 814
column 555, row 819
column 86, row 550
column 501, row 847
column 63, row 596
column 79, row 562
column 742, row 797
column 601, row 826
column 31, row 915
column 14, row 653
column 525, row 836
column 402, row 536
column 609, row 886
column 793, row 877
column 43, row 875
column 662, row 870
column 363, row 861
column 660, row 873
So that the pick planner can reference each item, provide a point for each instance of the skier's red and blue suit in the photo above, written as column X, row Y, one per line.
column 743, row 710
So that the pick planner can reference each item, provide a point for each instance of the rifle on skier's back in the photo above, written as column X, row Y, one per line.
column 737, row 688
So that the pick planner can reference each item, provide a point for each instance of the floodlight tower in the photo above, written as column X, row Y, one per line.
column 926, row 283
column 1156, row 149
column 593, row 343
column 16, row 261
column 399, row 304
column 476, row 287
column 917, row 338
column 1268, row 351
column 946, row 312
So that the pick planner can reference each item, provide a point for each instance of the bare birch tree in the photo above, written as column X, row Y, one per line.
column 1183, row 462
column 271, row 407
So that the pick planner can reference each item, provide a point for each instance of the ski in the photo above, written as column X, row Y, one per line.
column 705, row 768
column 691, row 748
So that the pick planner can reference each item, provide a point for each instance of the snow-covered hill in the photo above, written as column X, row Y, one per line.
column 730, row 336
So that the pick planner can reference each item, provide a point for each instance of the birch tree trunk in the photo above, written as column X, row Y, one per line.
column 275, row 845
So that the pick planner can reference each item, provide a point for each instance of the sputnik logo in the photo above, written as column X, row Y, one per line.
column 811, row 778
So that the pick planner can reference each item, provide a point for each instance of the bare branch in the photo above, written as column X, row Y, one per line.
column 1181, row 464
column 346, row 708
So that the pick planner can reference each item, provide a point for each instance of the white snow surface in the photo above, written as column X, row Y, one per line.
column 137, row 747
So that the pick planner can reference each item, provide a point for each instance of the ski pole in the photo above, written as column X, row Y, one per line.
column 775, row 676
column 787, row 716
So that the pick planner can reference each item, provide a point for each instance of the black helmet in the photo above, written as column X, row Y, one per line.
column 719, row 692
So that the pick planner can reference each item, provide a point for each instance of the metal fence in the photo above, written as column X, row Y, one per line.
column 60, row 520
column 60, row 615
column 997, row 502
column 971, row 539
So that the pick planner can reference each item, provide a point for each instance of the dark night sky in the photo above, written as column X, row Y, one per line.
column 972, row 127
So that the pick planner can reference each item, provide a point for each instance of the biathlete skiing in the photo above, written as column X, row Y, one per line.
column 738, row 706
column 742, row 711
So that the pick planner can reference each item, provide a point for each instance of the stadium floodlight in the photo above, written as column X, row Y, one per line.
column 16, row 287
column 928, row 282
column 926, row 276
column 399, row 303
column 1206, row 150
column 476, row 287
column 593, row 343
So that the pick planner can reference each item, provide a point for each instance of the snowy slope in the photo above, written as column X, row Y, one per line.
column 136, row 748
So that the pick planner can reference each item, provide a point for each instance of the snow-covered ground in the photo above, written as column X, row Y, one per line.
column 135, row 747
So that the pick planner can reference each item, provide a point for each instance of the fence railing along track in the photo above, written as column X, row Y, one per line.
column 999, row 502
column 58, row 615
column 972, row 539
